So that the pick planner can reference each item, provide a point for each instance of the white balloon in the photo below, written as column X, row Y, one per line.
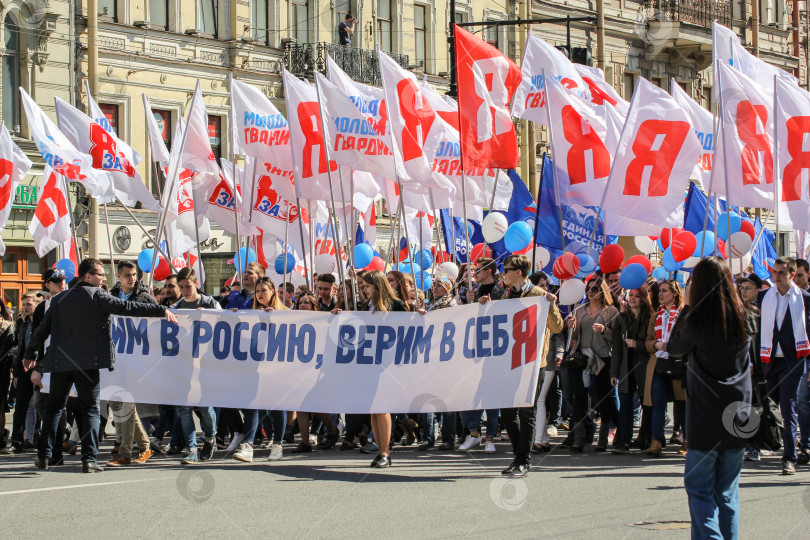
column 738, row 245
column 571, row 292
column 738, row 266
column 541, row 256
column 447, row 268
column 325, row 263
column 645, row 244
column 494, row 227
column 691, row 262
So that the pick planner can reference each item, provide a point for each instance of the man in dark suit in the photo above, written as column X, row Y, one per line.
column 785, row 355
column 78, row 323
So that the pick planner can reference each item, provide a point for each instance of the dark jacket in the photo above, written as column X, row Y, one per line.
column 785, row 334
column 629, row 364
column 8, row 338
column 241, row 299
column 19, row 339
column 139, row 294
column 78, row 322
column 718, row 378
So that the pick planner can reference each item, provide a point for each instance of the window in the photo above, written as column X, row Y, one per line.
column 384, row 25
column 111, row 113
column 460, row 18
column 10, row 261
column 629, row 85
column 767, row 12
column 299, row 20
column 261, row 28
column 159, row 13
column 342, row 8
column 491, row 35
column 107, row 8
column 34, row 263
column 208, row 17
column 215, row 135
column 11, row 75
column 419, row 27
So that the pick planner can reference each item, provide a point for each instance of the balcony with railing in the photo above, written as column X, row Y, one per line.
column 697, row 12
column 360, row 64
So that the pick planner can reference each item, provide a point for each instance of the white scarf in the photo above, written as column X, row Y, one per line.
column 795, row 302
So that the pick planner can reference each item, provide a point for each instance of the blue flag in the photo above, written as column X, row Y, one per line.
column 454, row 239
column 521, row 208
column 577, row 222
column 763, row 251
column 694, row 210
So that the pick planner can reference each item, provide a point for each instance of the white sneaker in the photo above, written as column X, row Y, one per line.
column 276, row 453
column 489, row 448
column 552, row 431
column 469, row 442
column 235, row 442
column 245, row 453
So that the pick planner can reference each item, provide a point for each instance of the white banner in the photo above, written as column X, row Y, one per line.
column 465, row 358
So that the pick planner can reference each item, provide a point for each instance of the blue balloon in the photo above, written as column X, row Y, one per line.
column 706, row 239
column 659, row 245
column 280, row 266
column 363, row 253
column 426, row 281
column 405, row 267
column 633, row 276
column 657, row 273
column 424, row 258
column 724, row 220
column 145, row 260
column 669, row 263
column 518, row 235
column 586, row 265
column 66, row 266
column 243, row 257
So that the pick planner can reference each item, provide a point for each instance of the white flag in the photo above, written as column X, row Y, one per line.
column 14, row 165
column 655, row 157
column 50, row 224
column 703, row 123
column 793, row 128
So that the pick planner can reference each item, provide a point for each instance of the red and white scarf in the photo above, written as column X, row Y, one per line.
column 795, row 302
column 664, row 329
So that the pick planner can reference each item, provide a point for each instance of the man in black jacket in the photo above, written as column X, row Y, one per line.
column 78, row 323
column 25, row 390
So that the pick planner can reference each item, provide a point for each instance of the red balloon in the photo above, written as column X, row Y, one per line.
column 669, row 234
column 611, row 258
column 376, row 264
column 566, row 266
column 748, row 228
column 640, row 259
column 163, row 270
column 480, row 250
column 721, row 248
column 683, row 246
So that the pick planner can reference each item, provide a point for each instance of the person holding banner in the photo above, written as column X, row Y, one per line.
column 243, row 298
column 663, row 382
column 402, row 285
column 519, row 421
column 381, row 299
column 78, row 323
column 192, row 299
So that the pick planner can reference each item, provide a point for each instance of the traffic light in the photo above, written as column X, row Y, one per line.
column 581, row 55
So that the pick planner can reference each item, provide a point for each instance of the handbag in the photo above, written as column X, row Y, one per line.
column 771, row 423
column 671, row 368
column 576, row 360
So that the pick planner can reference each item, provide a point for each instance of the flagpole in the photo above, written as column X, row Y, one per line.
column 109, row 237
column 311, row 244
column 439, row 228
column 725, row 173
column 776, row 171
column 345, row 220
column 554, row 173
column 331, row 185
column 761, row 230
column 286, row 246
column 303, row 244
column 393, row 221
column 148, row 235
column 197, row 234
column 407, row 236
column 65, row 190
column 494, row 189
column 537, row 216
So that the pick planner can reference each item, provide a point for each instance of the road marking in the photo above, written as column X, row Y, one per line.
column 57, row 488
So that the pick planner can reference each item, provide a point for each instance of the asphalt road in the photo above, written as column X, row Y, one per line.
column 425, row 494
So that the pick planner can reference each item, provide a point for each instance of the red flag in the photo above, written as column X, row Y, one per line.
column 486, row 81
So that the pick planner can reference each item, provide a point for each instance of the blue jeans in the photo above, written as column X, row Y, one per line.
column 448, row 421
column 784, row 378
column 712, row 482
column 626, row 412
column 804, row 409
column 251, row 425
column 472, row 419
column 275, row 424
column 660, row 394
column 208, row 423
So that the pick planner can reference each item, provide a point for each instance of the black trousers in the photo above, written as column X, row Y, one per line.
column 25, row 392
column 88, row 389
column 519, row 423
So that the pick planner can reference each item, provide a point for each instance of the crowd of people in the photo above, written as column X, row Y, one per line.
column 611, row 367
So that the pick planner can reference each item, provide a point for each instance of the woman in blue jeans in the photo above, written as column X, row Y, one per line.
column 712, row 336
column 660, row 389
column 266, row 299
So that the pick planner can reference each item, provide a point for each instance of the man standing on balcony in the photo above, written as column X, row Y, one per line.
column 346, row 30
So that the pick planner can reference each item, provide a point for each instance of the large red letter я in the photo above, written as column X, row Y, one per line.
column 656, row 147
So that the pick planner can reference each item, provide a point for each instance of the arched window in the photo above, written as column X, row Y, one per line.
column 11, row 74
